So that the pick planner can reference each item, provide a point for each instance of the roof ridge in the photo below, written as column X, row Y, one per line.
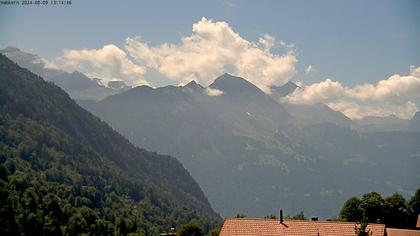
column 315, row 221
column 415, row 230
column 249, row 218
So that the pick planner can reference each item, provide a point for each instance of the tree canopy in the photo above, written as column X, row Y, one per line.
column 193, row 228
column 394, row 211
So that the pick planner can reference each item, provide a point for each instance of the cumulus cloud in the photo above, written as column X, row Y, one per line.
column 48, row 64
column 35, row 59
column 396, row 89
column 213, row 47
column 391, row 96
column 212, row 92
column 310, row 70
column 229, row 4
column 28, row 58
column 107, row 63
column 315, row 93
column 357, row 111
column 267, row 42
column 415, row 71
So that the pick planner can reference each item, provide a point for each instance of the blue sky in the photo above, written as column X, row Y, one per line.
column 352, row 42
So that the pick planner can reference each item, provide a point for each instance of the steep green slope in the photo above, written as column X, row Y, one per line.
column 65, row 171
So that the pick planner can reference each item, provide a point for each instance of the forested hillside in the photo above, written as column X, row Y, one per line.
column 63, row 171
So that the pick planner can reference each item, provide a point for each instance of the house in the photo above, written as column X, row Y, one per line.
column 171, row 231
column 418, row 221
column 402, row 232
column 272, row 227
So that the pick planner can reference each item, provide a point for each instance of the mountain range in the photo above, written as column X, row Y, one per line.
column 76, row 84
column 252, row 155
column 84, row 89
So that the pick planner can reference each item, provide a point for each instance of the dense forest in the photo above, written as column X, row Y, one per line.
column 65, row 172
column 394, row 211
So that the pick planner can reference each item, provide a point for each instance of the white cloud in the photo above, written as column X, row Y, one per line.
column 316, row 92
column 228, row 4
column 107, row 63
column 267, row 42
column 211, row 48
column 391, row 96
column 356, row 111
column 396, row 89
column 35, row 59
column 214, row 48
column 212, row 92
column 310, row 70
column 17, row 55
column 299, row 83
column 48, row 64
column 415, row 71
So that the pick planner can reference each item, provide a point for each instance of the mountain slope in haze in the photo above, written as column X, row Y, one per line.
column 308, row 114
column 251, row 156
column 278, row 92
column 63, row 171
column 381, row 124
column 234, row 87
column 76, row 84
column 213, row 136
column 414, row 123
column 317, row 114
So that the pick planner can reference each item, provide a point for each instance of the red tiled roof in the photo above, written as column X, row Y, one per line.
column 272, row 227
column 402, row 232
